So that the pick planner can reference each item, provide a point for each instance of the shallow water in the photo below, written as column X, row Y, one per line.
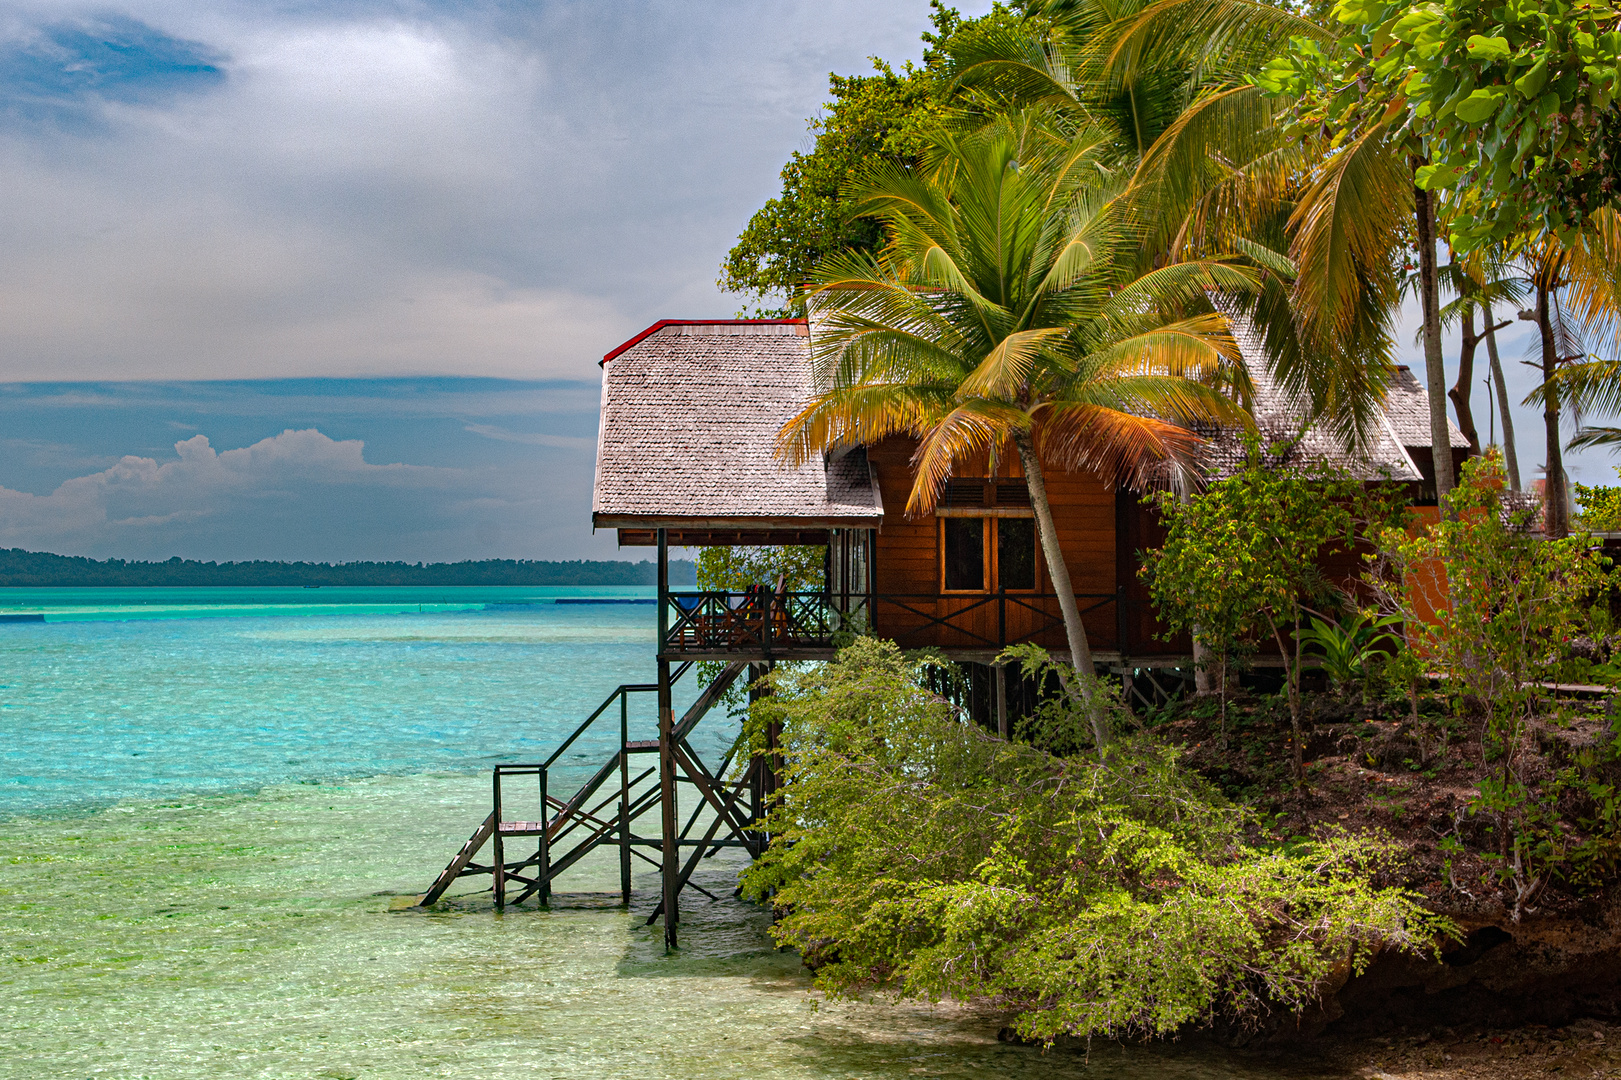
column 235, row 689
column 232, row 914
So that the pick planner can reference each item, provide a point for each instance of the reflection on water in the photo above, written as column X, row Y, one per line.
column 252, row 936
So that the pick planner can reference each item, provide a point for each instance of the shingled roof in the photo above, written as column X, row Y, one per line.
column 690, row 415
column 691, row 411
column 1408, row 406
column 1278, row 417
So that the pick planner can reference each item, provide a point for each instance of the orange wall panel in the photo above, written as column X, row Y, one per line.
column 907, row 555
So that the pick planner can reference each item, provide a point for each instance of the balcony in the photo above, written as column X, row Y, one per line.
column 812, row 625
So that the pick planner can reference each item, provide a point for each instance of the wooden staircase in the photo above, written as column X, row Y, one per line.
column 565, row 830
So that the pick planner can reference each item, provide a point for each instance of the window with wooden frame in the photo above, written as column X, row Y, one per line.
column 987, row 537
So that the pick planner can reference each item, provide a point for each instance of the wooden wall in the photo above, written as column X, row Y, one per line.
column 1101, row 533
column 908, row 564
column 1139, row 529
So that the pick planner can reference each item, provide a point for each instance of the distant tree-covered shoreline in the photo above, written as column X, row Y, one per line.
column 39, row 568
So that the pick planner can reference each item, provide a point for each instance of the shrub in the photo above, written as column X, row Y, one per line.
column 1514, row 603
column 1240, row 559
column 914, row 853
column 1600, row 507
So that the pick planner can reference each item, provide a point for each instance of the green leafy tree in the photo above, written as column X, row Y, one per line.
column 734, row 569
column 1241, row 558
column 884, row 114
column 1512, row 102
column 1502, row 111
column 1600, row 506
column 1007, row 308
column 887, row 115
column 914, row 852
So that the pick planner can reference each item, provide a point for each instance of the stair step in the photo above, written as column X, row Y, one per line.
column 522, row 828
column 642, row 746
column 459, row 863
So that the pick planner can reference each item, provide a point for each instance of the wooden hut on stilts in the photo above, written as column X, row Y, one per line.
column 689, row 419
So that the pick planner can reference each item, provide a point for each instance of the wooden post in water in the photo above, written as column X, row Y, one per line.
column 773, row 761
column 624, row 798
column 543, row 853
column 500, row 868
column 757, row 767
column 667, row 804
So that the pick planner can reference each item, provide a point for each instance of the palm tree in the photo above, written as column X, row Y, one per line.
column 1577, row 289
column 1008, row 307
column 1477, row 282
column 1213, row 155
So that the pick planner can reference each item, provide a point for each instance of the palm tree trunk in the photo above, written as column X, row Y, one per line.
column 1510, row 458
column 1434, row 363
column 1555, row 513
column 1080, row 652
column 1466, row 380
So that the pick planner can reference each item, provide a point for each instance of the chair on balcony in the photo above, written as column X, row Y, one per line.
column 777, row 610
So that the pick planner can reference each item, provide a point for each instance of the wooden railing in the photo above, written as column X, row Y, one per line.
column 760, row 622
column 767, row 624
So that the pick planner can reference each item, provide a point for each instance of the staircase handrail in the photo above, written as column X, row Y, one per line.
column 624, row 688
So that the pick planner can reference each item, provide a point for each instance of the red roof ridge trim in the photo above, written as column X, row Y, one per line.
column 662, row 323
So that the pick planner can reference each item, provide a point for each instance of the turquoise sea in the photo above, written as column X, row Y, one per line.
column 217, row 804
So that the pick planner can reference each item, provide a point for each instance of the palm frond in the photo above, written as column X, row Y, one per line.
column 1220, row 167
column 1012, row 65
column 1594, row 272
column 1593, row 438
column 1006, row 369
column 1200, row 347
column 860, row 415
column 1179, row 286
column 1591, row 386
column 1275, row 261
column 1122, row 448
column 1184, row 401
column 1186, row 33
column 1348, row 221
column 970, row 429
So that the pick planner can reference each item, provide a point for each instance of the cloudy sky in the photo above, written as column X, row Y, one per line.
column 329, row 281
column 394, row 237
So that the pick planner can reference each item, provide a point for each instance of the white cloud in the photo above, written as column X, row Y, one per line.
column 397, row 189
column 532, row 438
column 299, row 489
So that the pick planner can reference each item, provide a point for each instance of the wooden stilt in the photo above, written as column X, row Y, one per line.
column 624, row 799
column 568, row 829
column 667, row 763
column 1003, row 727
column 499, row 868
column 543, row 853
column 757, row 767
column 773, row 764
